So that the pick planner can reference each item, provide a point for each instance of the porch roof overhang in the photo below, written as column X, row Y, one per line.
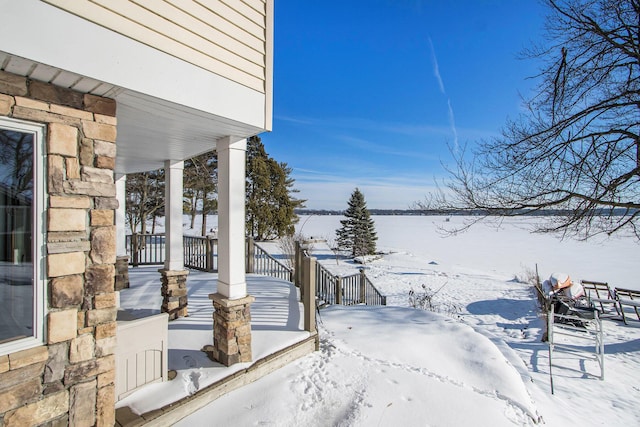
column 167, row 108
column 150, row 130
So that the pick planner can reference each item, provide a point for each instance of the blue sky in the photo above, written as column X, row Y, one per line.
column 371, row 94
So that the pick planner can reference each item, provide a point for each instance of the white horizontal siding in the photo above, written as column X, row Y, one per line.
column 246, row 11
column 220, row 23
column 194, row 23
column 227, row 38
column 257, row 5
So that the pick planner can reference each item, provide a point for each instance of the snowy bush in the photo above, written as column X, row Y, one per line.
column 422, row 300
column 287, row 246
column 531, row 277
column 425, row 300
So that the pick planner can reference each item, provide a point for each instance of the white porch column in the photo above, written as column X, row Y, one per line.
column 173, row 275
column 173, row 215
column 231, row 304
column 121, row 232
column 231, row 218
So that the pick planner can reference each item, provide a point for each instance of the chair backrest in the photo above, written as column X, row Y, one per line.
column 631, row 294
column 597, row 289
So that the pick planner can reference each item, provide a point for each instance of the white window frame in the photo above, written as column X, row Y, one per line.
column 38, row 130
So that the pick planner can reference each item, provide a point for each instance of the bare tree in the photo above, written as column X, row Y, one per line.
column 200, row 186
column 145, row 198
column 576, row 151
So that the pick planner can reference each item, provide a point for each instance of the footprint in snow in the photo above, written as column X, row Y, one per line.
column 191, row 382
column 189, row 361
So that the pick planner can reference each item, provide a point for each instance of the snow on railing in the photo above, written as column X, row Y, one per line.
column 346, row 290
column 267, row 265
column 201, row 253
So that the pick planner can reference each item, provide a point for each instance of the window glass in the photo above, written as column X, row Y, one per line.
column 18, row 294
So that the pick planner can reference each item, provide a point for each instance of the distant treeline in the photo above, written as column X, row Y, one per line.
column 460, row 212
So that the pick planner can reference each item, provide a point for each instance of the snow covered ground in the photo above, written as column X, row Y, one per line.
column 478, row 362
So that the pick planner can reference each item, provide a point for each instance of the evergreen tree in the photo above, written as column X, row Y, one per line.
column 357, row 233
column 269, row 201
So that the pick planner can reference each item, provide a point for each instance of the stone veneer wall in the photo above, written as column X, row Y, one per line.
column 70, row 380
column 231, row 330
column 122, row 273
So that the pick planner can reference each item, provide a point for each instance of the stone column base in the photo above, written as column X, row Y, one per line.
column 231, row 330
column 122, row 272
column 174, row 293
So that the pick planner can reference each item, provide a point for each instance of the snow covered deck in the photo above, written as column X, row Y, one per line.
column 278, row 336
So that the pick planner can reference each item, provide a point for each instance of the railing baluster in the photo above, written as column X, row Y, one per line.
column 201, row 253
column 264, row 263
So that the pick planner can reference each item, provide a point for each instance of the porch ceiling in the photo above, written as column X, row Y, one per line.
column 150, row 130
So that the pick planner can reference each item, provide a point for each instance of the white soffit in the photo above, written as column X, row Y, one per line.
column 151, row 131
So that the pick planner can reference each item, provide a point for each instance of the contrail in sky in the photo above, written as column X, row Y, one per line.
column 436, row 73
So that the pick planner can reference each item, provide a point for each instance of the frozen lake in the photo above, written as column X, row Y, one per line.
column 508, row 250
